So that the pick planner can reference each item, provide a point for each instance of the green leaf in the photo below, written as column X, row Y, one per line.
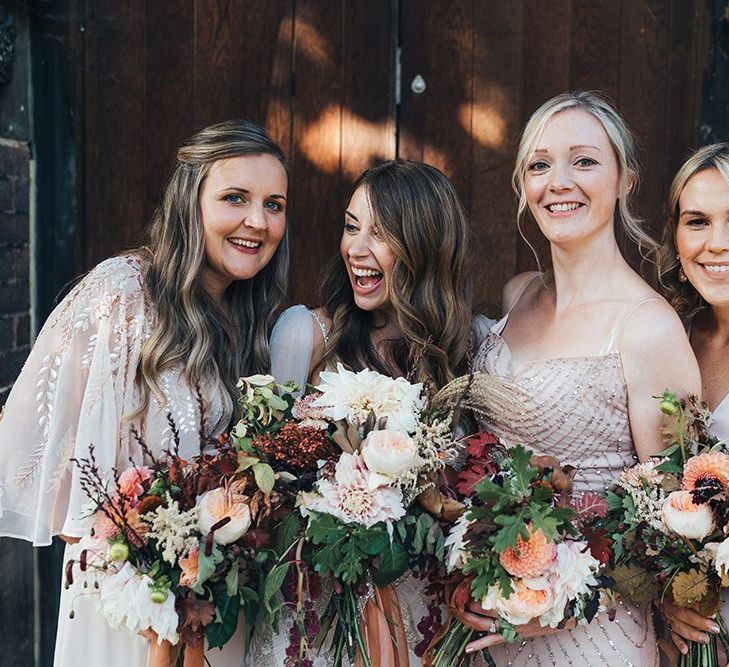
column 206, row 566
column 669, row 466
column 219, row 632
column 273, row 584
column 286, row 533
column 265, row 477
column 245, row 462
column 394, row 563
column 231, row 581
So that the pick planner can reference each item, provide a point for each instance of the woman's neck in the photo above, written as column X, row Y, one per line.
column 715, row 323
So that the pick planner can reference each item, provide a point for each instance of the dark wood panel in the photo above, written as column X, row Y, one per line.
column 643, row 98
column 169, row 100
column 595, row 46
column 114, row 127
column 495, row 124
column 16, row 602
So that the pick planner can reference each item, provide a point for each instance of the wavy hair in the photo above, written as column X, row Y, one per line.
column 627, row 223
column 682, row 295
column 418, row 214
column 191, row 330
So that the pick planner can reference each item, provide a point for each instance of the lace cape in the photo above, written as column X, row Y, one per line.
column 74, row 391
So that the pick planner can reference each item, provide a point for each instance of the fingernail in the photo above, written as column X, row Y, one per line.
column 469, row 649
column 715, row 629
column 704, row 639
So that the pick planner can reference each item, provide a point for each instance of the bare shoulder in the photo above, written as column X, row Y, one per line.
column 653, row 321
column 515, row 287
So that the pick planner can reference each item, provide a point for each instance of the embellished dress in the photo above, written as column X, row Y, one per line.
column 73, row 392
column 292, row 344
column 576, row 409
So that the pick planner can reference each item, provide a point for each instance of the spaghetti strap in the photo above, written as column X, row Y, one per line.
column 322, row 326
column 522, row 292
column 618, row 329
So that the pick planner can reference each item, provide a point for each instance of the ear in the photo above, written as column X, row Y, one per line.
column 630, row 182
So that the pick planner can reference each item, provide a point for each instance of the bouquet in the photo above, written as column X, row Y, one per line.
column 363, row 529
column 181, row 546
column 668, row 519
column 518, row 547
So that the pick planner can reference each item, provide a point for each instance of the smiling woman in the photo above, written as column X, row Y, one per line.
column 142, row 337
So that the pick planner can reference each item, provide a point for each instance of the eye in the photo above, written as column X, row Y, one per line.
column 233, row 199
column 350, row 228
column 539, row 165
column 697, row 222
column 585, row 162
column 274, row 205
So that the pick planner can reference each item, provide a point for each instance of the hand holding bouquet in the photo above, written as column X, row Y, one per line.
column 519, row 549
column 668, row 520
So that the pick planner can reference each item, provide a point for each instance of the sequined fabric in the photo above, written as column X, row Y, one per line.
column 576, row 409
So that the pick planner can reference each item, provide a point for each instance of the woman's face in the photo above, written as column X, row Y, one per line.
column 369, row 260
column 572, row 179
column 702, row 235
column 243, row 208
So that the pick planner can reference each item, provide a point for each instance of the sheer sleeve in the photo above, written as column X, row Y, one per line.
column 292, row 344
column 481, row 326
column 73, row 391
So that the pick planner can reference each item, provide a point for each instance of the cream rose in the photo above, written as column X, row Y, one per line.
column 686, row 518
column 390, row 452
column 215, row 505
column 530, row 599
column 721, row 558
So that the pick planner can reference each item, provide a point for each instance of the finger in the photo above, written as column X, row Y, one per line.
column 689, row 632
column 484, row 642
column 479, row 622
column 679, row 643
column 690, row 617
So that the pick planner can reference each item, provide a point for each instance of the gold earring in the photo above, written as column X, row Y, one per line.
column 681, row 275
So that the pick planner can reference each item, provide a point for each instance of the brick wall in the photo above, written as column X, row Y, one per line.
column 14, row 261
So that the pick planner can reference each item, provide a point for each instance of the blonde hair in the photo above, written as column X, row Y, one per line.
column 682, row 295
column 418, row 214
column 191, row 330
column 627, row 222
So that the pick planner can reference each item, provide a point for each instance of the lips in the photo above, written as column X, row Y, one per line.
column 716, row 269
column 247, row 246
column 563, row 207
column 366, row 280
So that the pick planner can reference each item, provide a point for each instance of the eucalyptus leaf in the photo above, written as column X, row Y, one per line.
column 265, row 477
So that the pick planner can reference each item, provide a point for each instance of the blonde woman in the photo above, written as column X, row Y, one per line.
column 132, row 342
column 694, row 270
column 397, row 298
column 588, row 344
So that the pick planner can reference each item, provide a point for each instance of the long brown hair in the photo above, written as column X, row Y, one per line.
column 682, row 295
column 418, row 214
column 191, row 330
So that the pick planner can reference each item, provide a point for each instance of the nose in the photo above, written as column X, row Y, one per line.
column 718, row 240
column 255, row 218
column 560, row 178
column 358, row 247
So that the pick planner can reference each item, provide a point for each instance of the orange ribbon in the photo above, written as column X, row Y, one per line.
column 383, row 630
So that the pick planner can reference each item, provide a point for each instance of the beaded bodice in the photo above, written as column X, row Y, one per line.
column 573, row 408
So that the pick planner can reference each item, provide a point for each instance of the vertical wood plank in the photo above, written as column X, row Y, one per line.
column 114, row 127
column 438, row 43
column 169, row 103
column 643, row 98
column 494, row 126
column 16, row 602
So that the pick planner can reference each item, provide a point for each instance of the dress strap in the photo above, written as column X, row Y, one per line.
column 618, row 329
column 499, row 327
column 322, row 326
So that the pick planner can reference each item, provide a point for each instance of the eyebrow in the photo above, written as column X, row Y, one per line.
column 351, row 215
column 572, row 148
column 247, row 192
column 690, row 212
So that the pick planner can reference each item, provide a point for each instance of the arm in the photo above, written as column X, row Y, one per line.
column 297, row 346
column 656, row 355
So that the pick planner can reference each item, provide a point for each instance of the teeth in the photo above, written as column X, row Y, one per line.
column 361, row 273
column 562, row 207
column 715, row 268
column 245, row 244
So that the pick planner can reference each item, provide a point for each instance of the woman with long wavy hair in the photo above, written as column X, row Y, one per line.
column 694, row 271
column 143, row 335
column 587, row 345
column 396, row 298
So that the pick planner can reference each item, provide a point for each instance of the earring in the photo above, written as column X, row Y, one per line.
column 681, row 275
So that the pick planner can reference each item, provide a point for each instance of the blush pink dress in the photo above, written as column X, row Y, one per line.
column 575, row 409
